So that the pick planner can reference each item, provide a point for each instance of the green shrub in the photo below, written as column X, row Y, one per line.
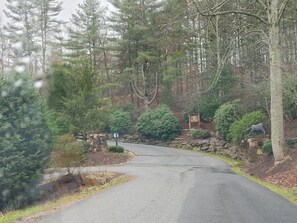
column 200, row 134
column 25, row 142
column 191, row 108
column 159, row 123
column 120, row 121
column 290, row 142
column 289, row 95
column 267, row 147
column 238, row 128
column 59, row 123
column 208, row 106
column 225, row 116
column 68, row 153
column 116, row 149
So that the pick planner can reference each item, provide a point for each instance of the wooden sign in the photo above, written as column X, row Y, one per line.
column 195, row 119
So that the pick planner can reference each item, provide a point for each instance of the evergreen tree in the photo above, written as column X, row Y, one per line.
column 20, row 30
column 139, row 46
column 85, row 32
column 175, row 39
column 24, row 142
column 48, row 26
column 74, row 91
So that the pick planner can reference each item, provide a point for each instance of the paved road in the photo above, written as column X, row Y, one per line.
column 178, row 186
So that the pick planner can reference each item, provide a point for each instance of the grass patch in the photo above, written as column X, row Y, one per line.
column 51, row 206
column 232, row 162
column 290, row 195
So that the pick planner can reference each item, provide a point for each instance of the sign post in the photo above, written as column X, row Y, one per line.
column 116, row 136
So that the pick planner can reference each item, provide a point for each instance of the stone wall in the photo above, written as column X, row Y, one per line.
column 248, row 150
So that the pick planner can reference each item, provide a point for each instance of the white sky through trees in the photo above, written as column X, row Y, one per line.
column 69, row 7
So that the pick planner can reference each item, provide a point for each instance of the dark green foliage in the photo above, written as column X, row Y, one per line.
column 267, row 147
column 59, row 123
column 191, row 108
column 208, row 106
column 85, row 32
column 80, row 100
column 290, row 142
column 116, row 149
column 120, row 121
column 57, row 87
column 25, row 141
column 225, row 83
column 238, row 128
column 159, row 123
column 200, row 134
column 289, row 95
column 140, row 44
column 225, row 116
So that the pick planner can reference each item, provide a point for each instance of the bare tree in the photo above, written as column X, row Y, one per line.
column 268, row 15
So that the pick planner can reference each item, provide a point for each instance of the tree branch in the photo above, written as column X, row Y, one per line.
column 156, row 91
column 262, row 3
column 137, row 92
column 281, row 10
column 210, row 13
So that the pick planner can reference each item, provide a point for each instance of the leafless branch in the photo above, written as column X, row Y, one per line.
column 212, row 12
column 281, row 10
column 137, row 92
column 262, row 3
column 156, row 91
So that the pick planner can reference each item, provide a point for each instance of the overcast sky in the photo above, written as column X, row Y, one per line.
column 69, row 7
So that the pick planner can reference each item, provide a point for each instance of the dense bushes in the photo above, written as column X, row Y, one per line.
column 200, row 134
column 267, row 147
column 225, row 116
column 159, row 123
column 120, row 121
column 25, row 142
column 208, row 106
column 238, row 128
column 116, row 149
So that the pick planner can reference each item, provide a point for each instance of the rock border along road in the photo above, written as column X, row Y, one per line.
column 178, row 186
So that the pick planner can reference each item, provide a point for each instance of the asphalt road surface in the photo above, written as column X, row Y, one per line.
column 178, row 186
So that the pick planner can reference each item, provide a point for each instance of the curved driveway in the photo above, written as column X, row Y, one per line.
column 178, row 186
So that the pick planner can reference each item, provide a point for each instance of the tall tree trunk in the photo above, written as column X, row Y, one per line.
column 277, row 124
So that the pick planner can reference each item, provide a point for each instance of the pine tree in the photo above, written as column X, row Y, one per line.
column 85, row 32
column 20, row 30
column 25, row 142
column 139, row 30
column 74, row 92
column 48, row 26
